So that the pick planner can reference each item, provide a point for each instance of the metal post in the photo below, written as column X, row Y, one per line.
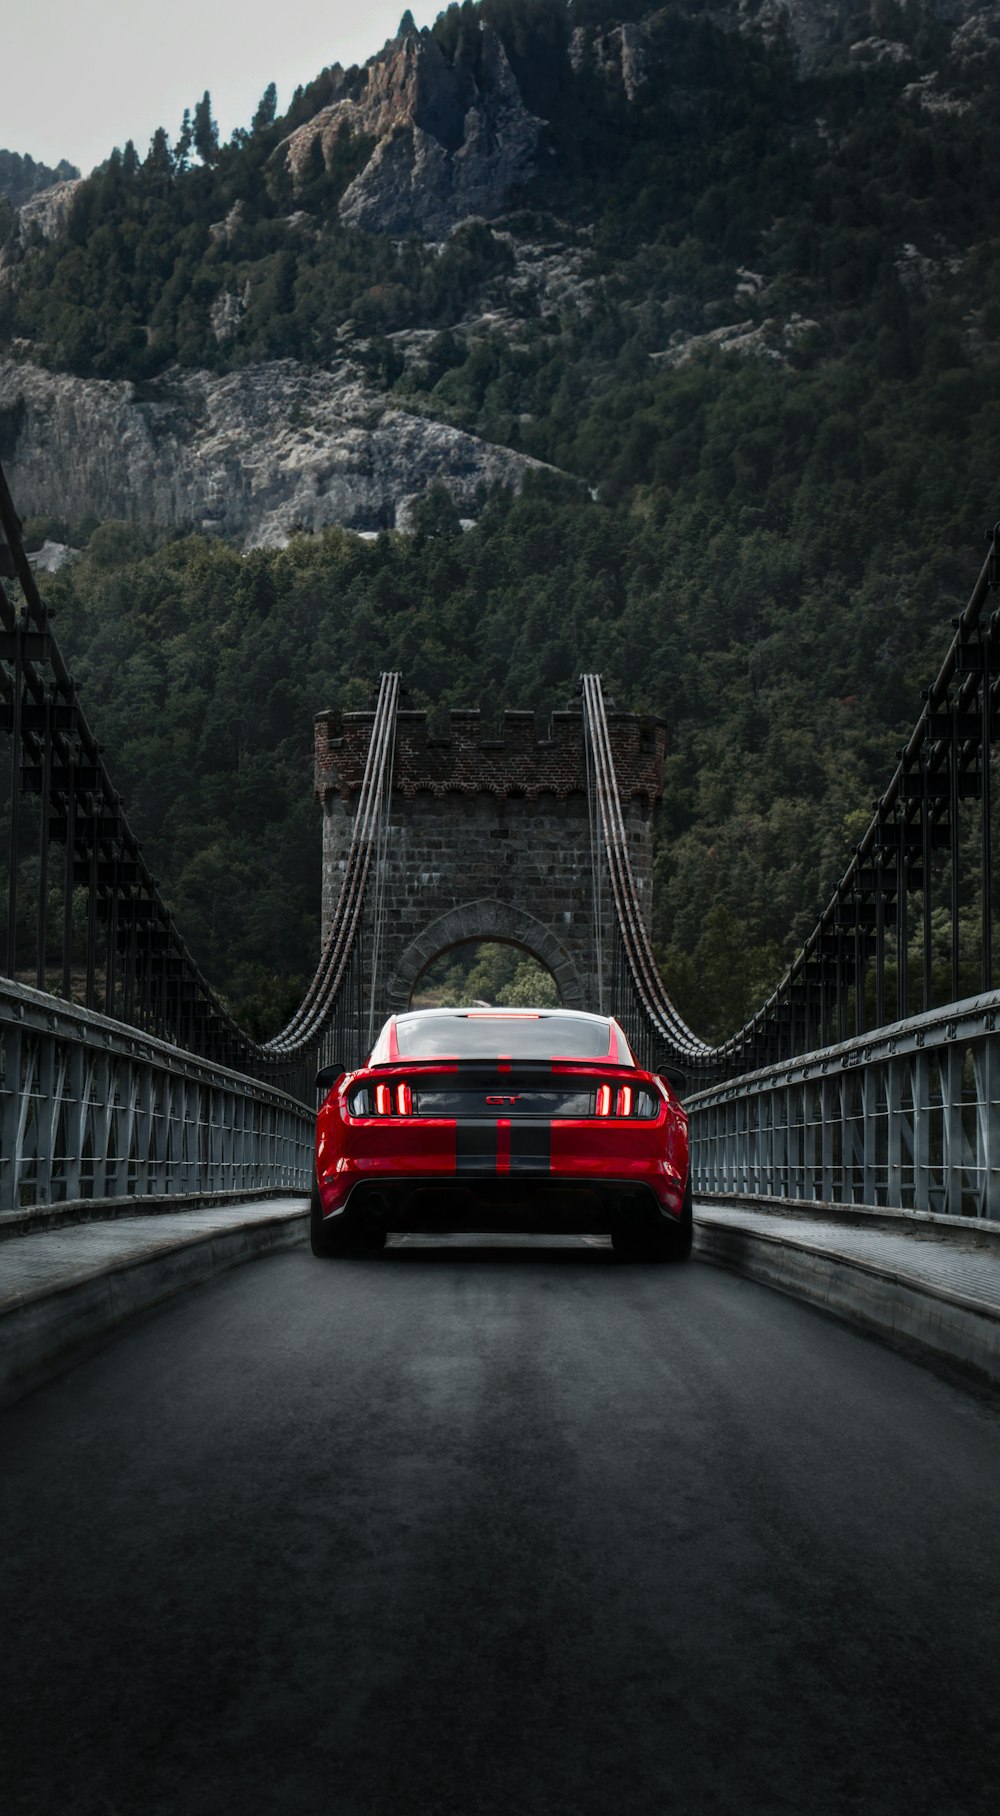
column 879, row 948
column 925, row 832
column 902, row 917
column 955, row 829
column 92, row 906
column 986, row 828
column 69, row 881
column 42, row 934
column 15, row 797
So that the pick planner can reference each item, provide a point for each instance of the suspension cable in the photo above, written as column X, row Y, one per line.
column 654, row 1001
column 381, row 873
column 596, row 867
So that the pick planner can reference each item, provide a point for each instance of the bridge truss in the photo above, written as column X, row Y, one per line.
column 875, row 952
column 85, row 923
column 867, row 1076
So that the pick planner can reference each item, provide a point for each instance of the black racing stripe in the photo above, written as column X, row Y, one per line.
column 476, row 1147
column 529, row 1072
column 485, row 1075
column 530, row 1147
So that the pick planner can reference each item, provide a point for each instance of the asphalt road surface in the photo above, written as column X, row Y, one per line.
column 519, row 1532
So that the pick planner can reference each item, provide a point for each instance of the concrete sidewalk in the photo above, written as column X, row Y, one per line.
column 926, row 1282
column 64, row 1289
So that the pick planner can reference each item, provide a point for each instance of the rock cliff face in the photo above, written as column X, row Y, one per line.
column 621, row 54
column 813, row 26
column 42, row 215
column 451, row 139
column 624, row 55
column 253, row 456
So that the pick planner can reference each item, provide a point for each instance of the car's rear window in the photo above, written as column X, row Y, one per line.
column 491, row 1034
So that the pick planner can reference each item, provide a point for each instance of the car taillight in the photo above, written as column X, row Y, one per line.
column 624, row 1100
column 385, row 1100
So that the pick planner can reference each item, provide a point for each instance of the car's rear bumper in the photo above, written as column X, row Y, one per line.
column 531, row 1201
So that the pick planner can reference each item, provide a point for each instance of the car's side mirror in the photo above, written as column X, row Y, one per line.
column 677, row 1080
column 327, row 1076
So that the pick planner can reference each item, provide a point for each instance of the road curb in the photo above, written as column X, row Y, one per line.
column 895, row 1305
column 39, row 1219
column 44, row 1331
column 972, row 1232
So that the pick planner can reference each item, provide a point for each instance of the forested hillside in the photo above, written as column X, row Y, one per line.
column 745, row 309
column 21, row 178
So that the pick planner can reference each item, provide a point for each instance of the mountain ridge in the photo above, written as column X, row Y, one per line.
column 542, row 119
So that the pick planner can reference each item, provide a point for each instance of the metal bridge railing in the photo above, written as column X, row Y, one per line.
column 906, row 1119
column 91, row 1109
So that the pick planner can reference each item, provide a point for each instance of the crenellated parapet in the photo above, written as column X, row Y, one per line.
column 519, row 758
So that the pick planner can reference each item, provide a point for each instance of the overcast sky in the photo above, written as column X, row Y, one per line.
column 80, row 79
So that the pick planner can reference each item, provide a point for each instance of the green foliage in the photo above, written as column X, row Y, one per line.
column 21, row 177
column 486, row 973
column 204, row 131
column 785, row 681
column 718, row 986
column 267, row 110
column 151, row 246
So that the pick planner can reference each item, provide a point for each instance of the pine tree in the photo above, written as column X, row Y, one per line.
column 185, row 140
column 206, row 133
column 267, row 110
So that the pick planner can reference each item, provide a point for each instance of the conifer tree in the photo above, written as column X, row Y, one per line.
column 267, row 109
column 206, row 132
column 185, row 140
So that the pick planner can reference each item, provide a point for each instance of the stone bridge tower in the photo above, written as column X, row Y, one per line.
column 489, row 836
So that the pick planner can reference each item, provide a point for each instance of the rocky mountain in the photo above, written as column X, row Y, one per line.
column 21, row 177
column 450, row 137
column 378, row 292
column 254, row 456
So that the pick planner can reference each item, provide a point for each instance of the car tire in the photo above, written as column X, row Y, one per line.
column 322, row 1240
column 644, row 1241
column 677, row 1240
column 348, row 1237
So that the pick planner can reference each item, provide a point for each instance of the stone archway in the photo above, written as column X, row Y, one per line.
column 485, row 920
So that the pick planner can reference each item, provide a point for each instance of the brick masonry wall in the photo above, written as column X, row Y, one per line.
column 522, row 758
column 490, row 820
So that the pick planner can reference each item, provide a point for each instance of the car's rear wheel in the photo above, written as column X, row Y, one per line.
column 636, row 1237
column 353, row 1234
column 321, row 1236
column 677, row 1246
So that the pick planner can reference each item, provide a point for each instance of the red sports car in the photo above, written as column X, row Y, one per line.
column 511, row 1119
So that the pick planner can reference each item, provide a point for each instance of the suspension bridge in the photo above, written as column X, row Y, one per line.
column 124, row 1073
column 512, row 1527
